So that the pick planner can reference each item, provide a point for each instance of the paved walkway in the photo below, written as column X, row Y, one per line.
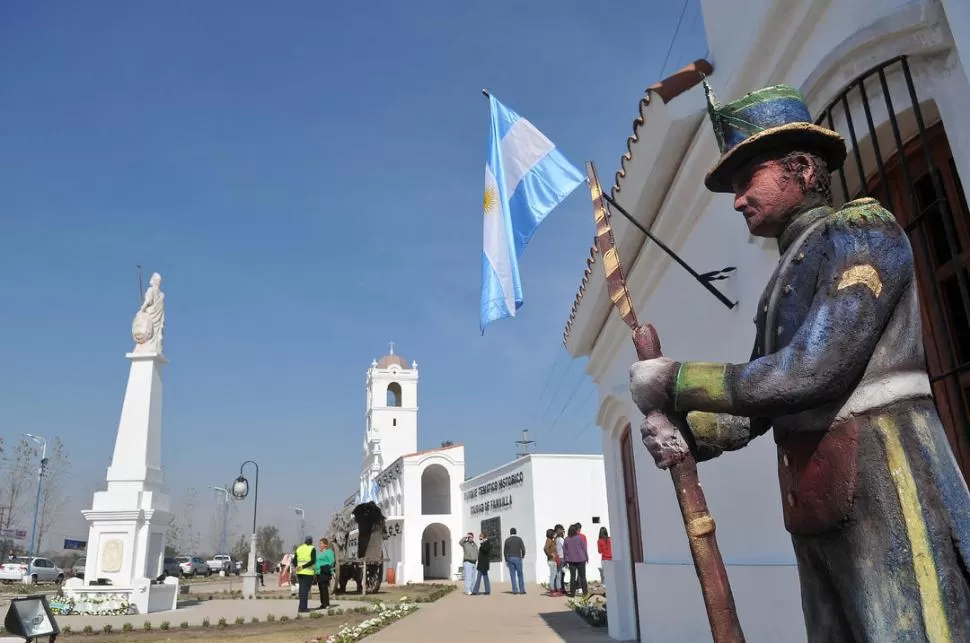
column 501, row 616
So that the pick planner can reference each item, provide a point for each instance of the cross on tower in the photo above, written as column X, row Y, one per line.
column 392, row 348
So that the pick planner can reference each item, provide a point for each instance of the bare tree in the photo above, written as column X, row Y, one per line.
column 19, row 471
column 53, row 494
column 182, row 537
column 191, row 538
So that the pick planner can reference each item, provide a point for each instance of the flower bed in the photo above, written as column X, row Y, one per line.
column 592, row 608
column 383, row 617
column 102, row 604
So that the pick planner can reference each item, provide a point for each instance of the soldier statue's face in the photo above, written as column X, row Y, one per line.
column 767, row 194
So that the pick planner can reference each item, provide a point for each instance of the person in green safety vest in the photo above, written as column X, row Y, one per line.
column 306, row 558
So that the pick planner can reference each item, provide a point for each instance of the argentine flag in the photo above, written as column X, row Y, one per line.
column 525, row 178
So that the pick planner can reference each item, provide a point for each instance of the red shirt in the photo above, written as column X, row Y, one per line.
column 605, row 547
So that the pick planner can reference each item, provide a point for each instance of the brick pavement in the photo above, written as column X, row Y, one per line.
column 501, row 616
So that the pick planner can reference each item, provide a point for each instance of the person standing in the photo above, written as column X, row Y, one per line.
column 561, row 555
column 577, row 557
column 324, row 570
column 469, row 556
column 306, row 558
column 514, row 551
column 484, row 561
column 605, row 547
column 555, row 589
column 259, row 571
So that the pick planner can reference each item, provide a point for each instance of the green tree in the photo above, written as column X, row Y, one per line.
column 240, row 550
column 269, row 544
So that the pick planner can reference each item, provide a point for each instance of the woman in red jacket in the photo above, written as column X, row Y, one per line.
column 605, row 547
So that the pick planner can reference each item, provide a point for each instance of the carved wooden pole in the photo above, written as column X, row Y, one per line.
column 715, row 586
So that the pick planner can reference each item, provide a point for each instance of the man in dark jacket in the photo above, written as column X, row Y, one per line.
column 484, row 561
column 514, row 552
column 878, row 512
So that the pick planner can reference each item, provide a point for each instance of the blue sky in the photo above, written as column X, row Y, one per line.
column 307, row 178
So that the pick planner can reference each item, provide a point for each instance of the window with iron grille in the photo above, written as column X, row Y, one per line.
column 914, row 176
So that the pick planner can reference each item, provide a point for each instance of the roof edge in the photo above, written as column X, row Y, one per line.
column 667, row 89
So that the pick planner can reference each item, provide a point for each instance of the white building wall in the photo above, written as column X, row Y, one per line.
column 568, row 489
column 419, row 527
column 555, row 489
column 818, row 46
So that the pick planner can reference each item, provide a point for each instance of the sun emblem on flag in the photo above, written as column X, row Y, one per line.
column 491, row 199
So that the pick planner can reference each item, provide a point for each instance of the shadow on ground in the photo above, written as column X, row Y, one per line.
column 571, row 628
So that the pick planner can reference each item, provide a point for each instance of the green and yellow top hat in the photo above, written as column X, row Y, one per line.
column 771, row 117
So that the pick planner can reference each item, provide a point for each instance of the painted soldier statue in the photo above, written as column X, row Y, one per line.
column 878, row 512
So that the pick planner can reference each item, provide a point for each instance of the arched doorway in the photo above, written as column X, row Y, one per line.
column 435, row 490
column 436, row 552
column 632, row 503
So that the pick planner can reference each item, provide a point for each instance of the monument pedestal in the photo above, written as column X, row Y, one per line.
column 128, row 521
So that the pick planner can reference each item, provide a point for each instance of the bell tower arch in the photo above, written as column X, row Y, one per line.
column 392, row 407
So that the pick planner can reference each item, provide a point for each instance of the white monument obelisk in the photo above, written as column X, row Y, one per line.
column 128, row 521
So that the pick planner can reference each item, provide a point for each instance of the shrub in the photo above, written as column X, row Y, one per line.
column 184, row 625
column 66, row 629
column 205, row 622
column 165, row 625
column 88, row 629
column 222, row 622
column 284, row 618
column 240, row 620
column 107, row 629
column 254, row 620
column 147, row 626
column 127, row 627
column 270, row 618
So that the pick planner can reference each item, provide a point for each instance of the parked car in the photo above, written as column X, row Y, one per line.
column 221, row 563
column 78, row 570
column 170, row 567
column 192, row 565
column 20, row 568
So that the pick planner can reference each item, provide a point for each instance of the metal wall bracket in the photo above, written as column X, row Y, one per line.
column 704, row 279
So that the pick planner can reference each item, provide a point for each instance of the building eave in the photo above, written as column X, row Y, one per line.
column 661, row 135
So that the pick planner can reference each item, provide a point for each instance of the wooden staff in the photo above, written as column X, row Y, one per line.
column 718, row 599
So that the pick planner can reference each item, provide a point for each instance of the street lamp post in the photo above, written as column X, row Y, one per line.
column 299, row 512
column 240, row 489
column 40, row 482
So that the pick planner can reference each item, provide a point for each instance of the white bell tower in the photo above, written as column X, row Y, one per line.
column 392, row 411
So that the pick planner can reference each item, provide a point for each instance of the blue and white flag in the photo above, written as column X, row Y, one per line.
column 525, row 178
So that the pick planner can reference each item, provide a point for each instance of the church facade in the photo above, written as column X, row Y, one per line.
column 418, row 491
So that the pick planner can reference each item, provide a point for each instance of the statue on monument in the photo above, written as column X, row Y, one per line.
column 149, row 321
column 878, row 512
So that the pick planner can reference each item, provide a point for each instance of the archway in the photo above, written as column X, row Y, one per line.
column 435, row 490
column 436, row 552
column 393, row 394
